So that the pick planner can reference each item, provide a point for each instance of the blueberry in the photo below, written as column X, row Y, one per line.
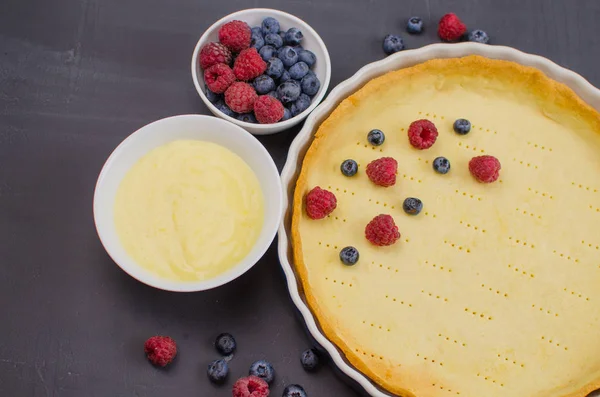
column 273, row 94
column 414, row 25
column 293, row 36
column 441, row 165
column 281, row 34
column 310, row 360
column 270, row 25
column 479, row 36
column 298, row 70
column 217, row 371
column 462, row 126
column 308, row 57
column 274, row 67
column 267, row 52
column 376, row 137
column 294, row 391
column 225, row 344
column 211, row 96
column 257, row 40
column 285, row 76
column 223, row 108
column 349, row 256
column 287, row 114
column 412, row 206
column 263, row 84
column 349, row 167
column 392, row 44
column 310, row 84
column 247, row 117
column 288, row 91
column 273, row 39
column 301, row 104
column 263, row 370
column 288, row 56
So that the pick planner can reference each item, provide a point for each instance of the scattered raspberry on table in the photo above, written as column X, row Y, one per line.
column 451, row 28
column 160, row 350
column 250, row 386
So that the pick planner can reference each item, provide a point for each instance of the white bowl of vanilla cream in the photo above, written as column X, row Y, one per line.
column 188, row 203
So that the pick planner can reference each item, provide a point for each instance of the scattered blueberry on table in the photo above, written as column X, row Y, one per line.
column 414, row 25
column 262, row 369
column 310, row 360
column 217, row 371
column 392, row 43
column 225, row 344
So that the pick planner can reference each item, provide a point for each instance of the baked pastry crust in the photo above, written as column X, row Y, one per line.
column 550, row 321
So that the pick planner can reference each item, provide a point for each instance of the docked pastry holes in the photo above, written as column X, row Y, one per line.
column 542, row 194
column 544, row 310
column 553, row 342
column 584, row 187
column 477, row 314
column 524, row 163
column 575, row 294
column 450, row 340
column 457, row 246
column 490, row 379
column 364, row 353
column 509, row 360
column 397, row 300
column 345, row 283
column 376, row 326
column 465, row 194
column 430, row 360
column 445, row 389
column 367, row 145
column 521, row 242
column 528, row 213
column 470, row 147
column 438, row 267
column 519, row 270
column 473, row 227
column 567, row 257
column 434, row 296
column 538, row 146
column 495, row 291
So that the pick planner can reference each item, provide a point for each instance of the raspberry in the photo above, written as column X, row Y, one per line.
column 268, row 110
column 251, row 386
column 240, row 97
column 422, row 134
column 320, row 203
column 214, row 53
column 485, row 168
column 249, row 65
column 382, row 230
column 451, row 28
column 236, row 35
column 161, row 350
column 382, row 171
column 218, row 78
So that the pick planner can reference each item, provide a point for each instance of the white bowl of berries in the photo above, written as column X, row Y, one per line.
column 262, row 69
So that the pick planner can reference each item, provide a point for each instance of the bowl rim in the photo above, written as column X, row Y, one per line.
column 586, row 91
column 129, row 265
column 262, row 129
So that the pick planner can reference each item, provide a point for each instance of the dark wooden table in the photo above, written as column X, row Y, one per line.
column 78, row 76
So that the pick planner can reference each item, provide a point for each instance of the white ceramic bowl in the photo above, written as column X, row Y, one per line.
column 254, row 17
column 204, row 128
column 400, row 60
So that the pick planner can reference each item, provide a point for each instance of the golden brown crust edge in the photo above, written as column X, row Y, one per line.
column 563, row 96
